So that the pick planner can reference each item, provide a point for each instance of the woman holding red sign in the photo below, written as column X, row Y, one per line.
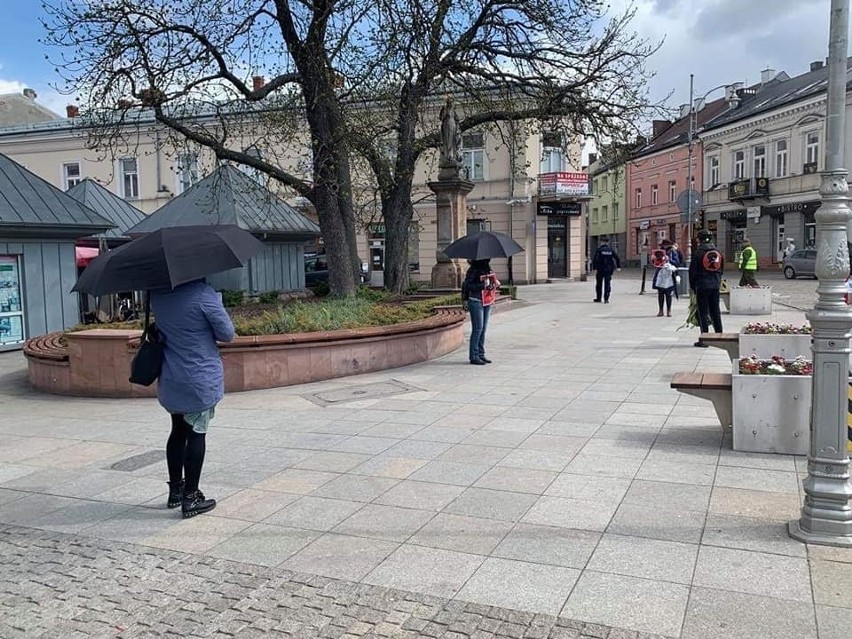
column 479, row 290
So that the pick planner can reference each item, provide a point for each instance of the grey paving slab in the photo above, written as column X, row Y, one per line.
column 589, row 488
column 571, row 513
column 753, row 573
column 420, row 495
column 464, row 534
column 761, row 535
column 756, row 479
column 720, row 614
column 436, row 572
column 332, row 461
column 659, row 523
column 442, row 434
column 522, row 480
column 298, row 481
column 10, row 472
column 656, row 494
column 7, row 495
column 416, row 449
column 492, row 504
column 253, row 505
column 637, row 604
column 476, row 455
column 263, row 544
column 832, row 583
column 364, row 445
column 518, row 584
column 355, row 487
column 496, row 438
column 446, row 472
column 77, row 516
column 646, row 558
column 833, row 623
column 548, row 545
column 393, row 467
column 677, row 472
column 830, row 553
column 135, row 524
column 196, row 535
column 340, row 556
column 537, row 459
column 627, row 433
column 584, row 464
column 26, row 509
column 568, row 429
column 563, row 444
column 755, row 503
column 314, row 513
column 390, row 523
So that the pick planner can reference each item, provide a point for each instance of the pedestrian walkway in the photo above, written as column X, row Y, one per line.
column 562, row 491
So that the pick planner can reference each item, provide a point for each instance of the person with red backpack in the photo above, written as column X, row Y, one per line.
column 705, row 278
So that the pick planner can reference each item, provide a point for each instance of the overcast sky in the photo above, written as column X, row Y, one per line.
column 720, row 41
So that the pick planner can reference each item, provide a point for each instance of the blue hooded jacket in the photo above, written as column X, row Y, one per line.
column 192, row 319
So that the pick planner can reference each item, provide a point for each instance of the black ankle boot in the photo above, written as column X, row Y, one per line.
column 175, row 494
column 194, row 503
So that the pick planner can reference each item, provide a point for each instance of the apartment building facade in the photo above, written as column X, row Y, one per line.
column 608, row 207
column 531, row 189
column 761, row 164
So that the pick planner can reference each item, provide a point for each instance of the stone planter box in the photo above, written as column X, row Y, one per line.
column 771, row 413
column 751, row 301
column 765, row 346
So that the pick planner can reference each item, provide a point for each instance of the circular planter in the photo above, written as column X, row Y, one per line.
column 96, row 362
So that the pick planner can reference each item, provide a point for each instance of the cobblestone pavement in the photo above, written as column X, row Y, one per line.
column 61, row 587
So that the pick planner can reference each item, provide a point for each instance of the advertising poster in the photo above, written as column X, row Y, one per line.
column 11, row 305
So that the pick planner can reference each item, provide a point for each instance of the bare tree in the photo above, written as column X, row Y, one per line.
column 365, row 76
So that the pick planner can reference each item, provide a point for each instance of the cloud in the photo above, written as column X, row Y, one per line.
column 46, row 96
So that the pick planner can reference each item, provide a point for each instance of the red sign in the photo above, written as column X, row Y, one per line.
column 563, row 183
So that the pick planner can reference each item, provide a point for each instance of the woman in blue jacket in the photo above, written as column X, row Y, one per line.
column 192, row 319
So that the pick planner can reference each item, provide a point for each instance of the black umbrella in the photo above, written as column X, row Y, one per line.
column 167, row 258
column 483, row 245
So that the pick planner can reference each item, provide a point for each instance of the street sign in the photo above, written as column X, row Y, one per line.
column 689, row 200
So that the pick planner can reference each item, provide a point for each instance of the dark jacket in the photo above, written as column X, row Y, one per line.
column 699, row 277
column 675, row 257
column 605, row 260
column 473, row 280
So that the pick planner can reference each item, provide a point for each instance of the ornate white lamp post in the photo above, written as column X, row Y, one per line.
column 827, row 513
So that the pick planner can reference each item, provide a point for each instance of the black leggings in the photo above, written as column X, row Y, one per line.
column 185, row 454
column 665, row 294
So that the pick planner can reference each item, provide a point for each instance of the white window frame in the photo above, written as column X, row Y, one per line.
column 473, row 156
column 128, row 180
column 715, row 172
column 672, row 190
column 758, row 155
column 552, row 154
column 638, row 198
column 655, row 197
column 182, row 171
column 738, row 165
column 67, row 180
column 604, row 213
column 782, row 159
column 812, row 148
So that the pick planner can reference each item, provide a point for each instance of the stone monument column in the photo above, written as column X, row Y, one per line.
column 450, row 201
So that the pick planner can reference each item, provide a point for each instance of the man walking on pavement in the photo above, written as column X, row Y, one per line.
column 604, row 263
column 748, row 265
column 705, row 278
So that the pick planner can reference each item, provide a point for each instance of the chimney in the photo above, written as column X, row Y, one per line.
column 72, row 111
column 767, row 75
column 816, row 65
column 258, row 82
column 659, row 126
column 29, row 93
column 593, row 157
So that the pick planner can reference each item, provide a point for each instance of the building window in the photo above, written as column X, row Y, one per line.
column 473, row 156
column 604, row 213
column 672, row 190
column 714, row 171
column 653, row 194
column 595, row 215
column 129, row 178
column 595, row 190
column 552, row 157
column 760, row 161
column 739, row 165
column 812, row 148
column 781, row 158
column 638, row 198
column 187, row 169
column 604, row 184
column 71, row 174
column 615, row 211
column 257, row 175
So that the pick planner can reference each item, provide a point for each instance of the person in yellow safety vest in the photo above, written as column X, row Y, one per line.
column 748, row 265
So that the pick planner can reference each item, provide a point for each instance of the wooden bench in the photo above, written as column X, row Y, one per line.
column 728, row 342
column 715, row 387
column 48, row 347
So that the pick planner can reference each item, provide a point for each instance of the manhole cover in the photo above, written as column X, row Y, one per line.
column 362, row 391
column 139, row 461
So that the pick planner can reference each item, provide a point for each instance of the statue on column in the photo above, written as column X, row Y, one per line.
column 450, row 136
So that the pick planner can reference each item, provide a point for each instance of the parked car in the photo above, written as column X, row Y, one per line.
column 801, row 262
column 316, row 270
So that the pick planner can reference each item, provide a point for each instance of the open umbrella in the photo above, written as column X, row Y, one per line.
column 167, row 258
column 483, row 245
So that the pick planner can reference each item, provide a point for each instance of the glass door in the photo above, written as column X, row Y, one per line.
column 11, row 302
column 557, row 246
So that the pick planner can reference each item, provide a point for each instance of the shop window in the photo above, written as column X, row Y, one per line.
column 71, row 174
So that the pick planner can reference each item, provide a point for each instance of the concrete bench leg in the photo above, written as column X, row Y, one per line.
column 731, row 348
column 722, row 403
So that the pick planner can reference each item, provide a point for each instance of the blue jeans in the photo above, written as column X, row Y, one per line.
column 478, row 323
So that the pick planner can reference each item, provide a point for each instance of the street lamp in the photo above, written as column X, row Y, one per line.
column 826, row 516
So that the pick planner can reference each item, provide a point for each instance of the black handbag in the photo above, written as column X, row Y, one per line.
column 148, row 362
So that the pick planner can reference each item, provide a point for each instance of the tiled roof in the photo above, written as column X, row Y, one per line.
column 678, row 132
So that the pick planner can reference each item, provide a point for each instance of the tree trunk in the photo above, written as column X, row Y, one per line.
column 397, row 211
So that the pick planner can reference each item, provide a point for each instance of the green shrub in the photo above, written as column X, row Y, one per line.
column 509, row 290
column 414, row 286
column 373, row 294
column 268, row 298
column 232, row 298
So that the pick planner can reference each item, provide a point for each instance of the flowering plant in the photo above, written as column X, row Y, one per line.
column 770, row 328
column 776, row 365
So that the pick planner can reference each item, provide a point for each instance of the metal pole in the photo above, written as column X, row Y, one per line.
column 826, row 516
column 690, row 135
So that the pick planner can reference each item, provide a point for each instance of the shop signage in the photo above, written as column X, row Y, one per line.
column 804, row 208
column 559, row 208
column 644, row 225
column 734, row 216
column 563, row 183
column 661, row 222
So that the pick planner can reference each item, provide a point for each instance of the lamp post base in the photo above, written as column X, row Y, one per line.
column 794, row 528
